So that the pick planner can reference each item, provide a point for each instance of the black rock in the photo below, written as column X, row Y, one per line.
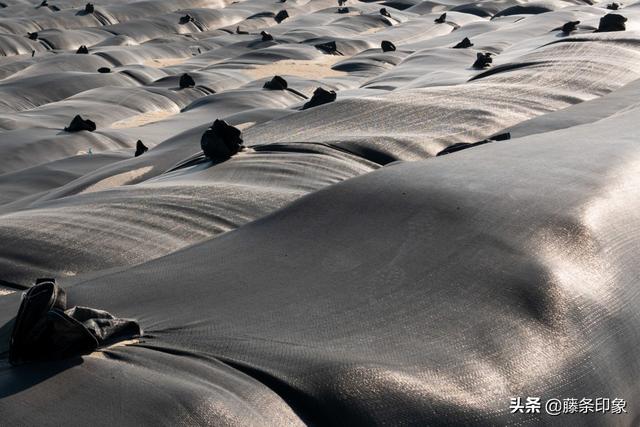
column 465, row 43
column 441, row 19
column 186, row 81
column 88, row 8
column 570, row 27
column 221, row 141
column 276, row 83
column 329, row 48
column 140, row 148
column 387, row 46
column 613, row 6
column 483, row 60
column 384, row 12
column 185, row 19
column 343, row 10
column 320, row 96
column 82, row 50
column 281, row 16
column 266, row 36
column 79, row 124
column 104, row 70
column 612, row 22
column 33, row 36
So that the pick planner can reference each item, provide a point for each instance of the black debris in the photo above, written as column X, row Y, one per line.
column 612, row 22
column 140, row 148
column 266, row 36
column 186, row 81
column 387, row 46
column 276, row 83
column 88, row 8
column 329, row 48
column 384, row 12
column 483, row 60
column 613, row 6
column 281, row 16
column 33, row 36
column 79, row 124
column 221, row 141
column 320, row 96
column 570, row 27
column 104, row 70
column 465, row 43
column 441, row 19
column 45, row 329
column 83, row 50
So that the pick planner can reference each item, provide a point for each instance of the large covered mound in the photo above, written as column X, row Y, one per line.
column 328, row 267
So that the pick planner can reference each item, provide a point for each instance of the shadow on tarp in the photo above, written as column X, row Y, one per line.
column 15, row 379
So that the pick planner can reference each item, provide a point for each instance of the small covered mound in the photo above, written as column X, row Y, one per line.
column 472, row 9
column 528, row 9
column 221, row 141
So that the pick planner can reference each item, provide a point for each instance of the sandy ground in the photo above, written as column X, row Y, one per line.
column 311, row 69
column 100, row 354
column 164, row 62
column 143, row 119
